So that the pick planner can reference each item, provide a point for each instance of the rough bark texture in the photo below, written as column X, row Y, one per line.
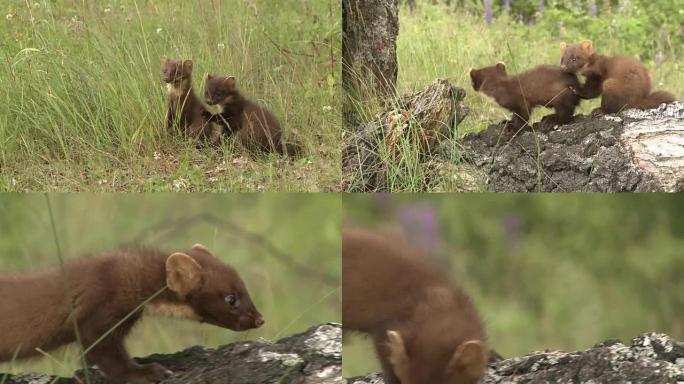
column 425, row 119
column 369, row 51
column 640, row 151
column 650, row 358
column 312, row 357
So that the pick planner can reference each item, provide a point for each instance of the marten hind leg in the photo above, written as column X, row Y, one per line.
column 616, row 96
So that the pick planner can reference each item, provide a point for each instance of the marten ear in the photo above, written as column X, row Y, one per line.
column 201, row 248
column 230, row 81
column 187, row 65
column 470, row 358
column 209, row 76
column 563, row 46
column 501, row 66
column 397, row 355
column 183, row 273
column 587, row 46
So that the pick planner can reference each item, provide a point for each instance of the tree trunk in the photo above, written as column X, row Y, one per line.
column 369, row 52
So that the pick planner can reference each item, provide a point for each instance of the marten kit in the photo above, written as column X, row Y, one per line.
column 183, row 107
column 256, row 127
column 544, row 85
column 102, row 290
column 622, row 81
column 425, row 329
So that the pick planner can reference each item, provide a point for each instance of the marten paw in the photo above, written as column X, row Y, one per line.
column 148, row 374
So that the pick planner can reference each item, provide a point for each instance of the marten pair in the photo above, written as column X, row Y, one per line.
column 39, row 309
column 425, row 329
column 624, row 83
column 256, row 127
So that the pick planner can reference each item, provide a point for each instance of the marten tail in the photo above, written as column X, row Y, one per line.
column 655, row 99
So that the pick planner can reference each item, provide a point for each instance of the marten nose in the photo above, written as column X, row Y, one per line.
column 259, row 322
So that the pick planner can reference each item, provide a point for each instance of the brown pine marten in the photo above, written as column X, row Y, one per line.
column 544, row 85
column 623, row 81
column 183, row 106
column 256, row 127
column 36, row 310
column 425, row 329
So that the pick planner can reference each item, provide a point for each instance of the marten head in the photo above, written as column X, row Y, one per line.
column 214, row 291
column 487, row 74
column 431, row 351
column 175, row 71
column 220, row 90
column 574, row 57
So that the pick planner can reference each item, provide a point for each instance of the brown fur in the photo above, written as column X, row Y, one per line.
column 256, row 127
column 183, row 105
column 107, row 288
column 425, row 329
column 544, row 85
column 624, row 82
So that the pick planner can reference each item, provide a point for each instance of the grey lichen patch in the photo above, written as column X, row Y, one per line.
column 326, row 340
column 287, row 359
column 328, row 375
column 373, row 378
column 32, row 378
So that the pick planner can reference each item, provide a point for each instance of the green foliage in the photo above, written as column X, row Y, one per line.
column 547, row 271
column 82, row 104
column 305, row 227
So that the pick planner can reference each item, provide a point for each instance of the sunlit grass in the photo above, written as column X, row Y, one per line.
column 82, row 104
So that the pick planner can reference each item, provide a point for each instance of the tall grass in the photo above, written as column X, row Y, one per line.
column 437, row 41
column 82, row 104
column 286, row 247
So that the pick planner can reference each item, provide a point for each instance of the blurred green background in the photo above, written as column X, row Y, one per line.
column 546, row 271
column 291, row 294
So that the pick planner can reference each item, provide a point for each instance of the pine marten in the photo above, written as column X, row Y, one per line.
column 183, row 105
column 256, row 127
column 425, row 329
column 623, row 81
column 544, row 85
column 104, row 290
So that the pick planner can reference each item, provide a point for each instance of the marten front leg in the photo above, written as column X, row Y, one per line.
column 590, row 89
column 518, row 120
column 111, row 357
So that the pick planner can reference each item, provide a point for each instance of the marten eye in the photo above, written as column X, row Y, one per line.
column 232, row 300
column 574, row 59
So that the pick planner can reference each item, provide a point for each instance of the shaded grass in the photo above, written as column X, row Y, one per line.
column 84, row 105
column 438, row 42
column 303, row 227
